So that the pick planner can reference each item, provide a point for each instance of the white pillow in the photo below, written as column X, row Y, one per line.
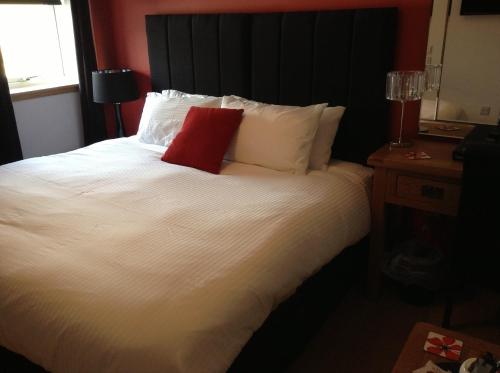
column 274, row 136
column 322, row 145
column 176, row 93
column 162, row 117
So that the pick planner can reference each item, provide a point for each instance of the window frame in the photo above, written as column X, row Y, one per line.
column 41, row 86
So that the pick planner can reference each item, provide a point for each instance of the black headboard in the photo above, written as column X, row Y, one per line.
column 340, row 57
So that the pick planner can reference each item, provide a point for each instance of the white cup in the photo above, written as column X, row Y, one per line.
column 465, row 367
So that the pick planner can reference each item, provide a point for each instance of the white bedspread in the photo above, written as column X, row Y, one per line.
column 114, row 261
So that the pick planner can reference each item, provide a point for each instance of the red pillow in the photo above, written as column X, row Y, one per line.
column 204, row 138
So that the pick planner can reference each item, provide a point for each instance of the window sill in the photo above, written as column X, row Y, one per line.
column 42, row 90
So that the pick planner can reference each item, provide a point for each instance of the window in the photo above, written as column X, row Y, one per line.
column 37, row 44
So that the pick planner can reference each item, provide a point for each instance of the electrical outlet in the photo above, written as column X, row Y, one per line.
column 485, row 110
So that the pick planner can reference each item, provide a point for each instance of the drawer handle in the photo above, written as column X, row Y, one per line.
column 432, row 192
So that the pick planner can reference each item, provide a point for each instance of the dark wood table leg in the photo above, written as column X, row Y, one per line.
column 377, row 234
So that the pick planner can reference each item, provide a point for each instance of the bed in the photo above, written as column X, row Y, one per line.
column 115, row 261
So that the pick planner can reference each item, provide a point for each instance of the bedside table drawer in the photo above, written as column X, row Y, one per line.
column 425, row 193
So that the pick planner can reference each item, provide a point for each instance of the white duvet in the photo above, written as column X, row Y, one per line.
column 114, row 261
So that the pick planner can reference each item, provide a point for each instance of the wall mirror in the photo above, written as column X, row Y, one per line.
column 464, row 41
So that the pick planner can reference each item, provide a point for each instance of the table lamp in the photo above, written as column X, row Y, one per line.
column 404, row 86
column 114, row 86
column 433, row 83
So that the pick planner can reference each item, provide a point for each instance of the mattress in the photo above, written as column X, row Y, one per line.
column 114, row 261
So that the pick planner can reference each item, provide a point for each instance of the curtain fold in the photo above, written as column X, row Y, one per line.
column 10, row 146
column 94, row 126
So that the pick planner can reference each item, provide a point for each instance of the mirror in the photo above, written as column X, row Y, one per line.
column 467, row 48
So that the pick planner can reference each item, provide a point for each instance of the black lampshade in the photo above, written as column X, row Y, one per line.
column 114, row 86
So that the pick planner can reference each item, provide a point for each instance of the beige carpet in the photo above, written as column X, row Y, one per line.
column 367, row 336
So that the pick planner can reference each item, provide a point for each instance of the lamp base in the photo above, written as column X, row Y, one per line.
column 118, row 120
column 400, row 144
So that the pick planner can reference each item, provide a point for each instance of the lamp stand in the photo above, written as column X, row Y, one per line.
column 400, row 143
column 118, row 120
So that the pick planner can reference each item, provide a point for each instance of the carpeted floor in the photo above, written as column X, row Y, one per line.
column 366, row 336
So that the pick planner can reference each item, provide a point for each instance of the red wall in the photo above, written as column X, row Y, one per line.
column 120, row 35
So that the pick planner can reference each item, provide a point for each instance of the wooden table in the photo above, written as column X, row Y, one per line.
column 430, row 185
column 413, row 355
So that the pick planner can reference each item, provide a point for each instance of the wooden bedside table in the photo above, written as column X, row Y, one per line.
column 413, row 355
column 430, row 185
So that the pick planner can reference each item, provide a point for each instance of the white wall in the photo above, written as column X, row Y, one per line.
column 49, row 125
column 471, row 66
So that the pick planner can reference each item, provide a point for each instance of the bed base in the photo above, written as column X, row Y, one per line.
column 286, row 331
column 11, row 362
